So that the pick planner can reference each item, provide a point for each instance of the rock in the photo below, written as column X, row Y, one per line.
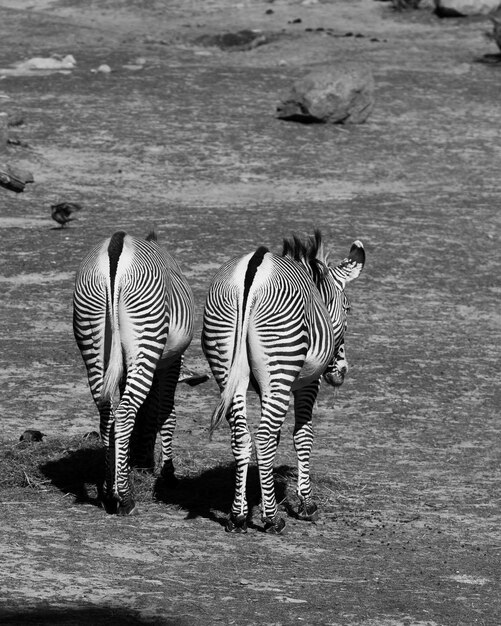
column 54, row 62
column 460, row 8
column 104, row 68
column 342, row 95
column 14, row 178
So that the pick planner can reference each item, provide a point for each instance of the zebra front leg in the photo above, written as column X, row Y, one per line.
column 273, row 412
column 241, row 445
column 304, row 399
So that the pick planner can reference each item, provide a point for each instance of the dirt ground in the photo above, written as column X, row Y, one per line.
column 184, row 137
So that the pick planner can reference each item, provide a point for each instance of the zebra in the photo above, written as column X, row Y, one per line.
column 133, row 316
column 278, row 323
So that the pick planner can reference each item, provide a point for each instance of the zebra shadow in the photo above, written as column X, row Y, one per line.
column 210, row 493
column 86, row 614
column 79, row 472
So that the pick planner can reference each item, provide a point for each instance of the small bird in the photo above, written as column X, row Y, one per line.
column 61, row 212
column 31, row 435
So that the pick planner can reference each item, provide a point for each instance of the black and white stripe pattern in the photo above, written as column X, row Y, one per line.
column 133, row 320
column 277, row 322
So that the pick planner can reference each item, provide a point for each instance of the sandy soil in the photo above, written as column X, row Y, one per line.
column 184, row 137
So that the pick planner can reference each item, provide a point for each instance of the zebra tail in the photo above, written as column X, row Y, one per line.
column 229, row 391
column 113, row 357
column 114, row 370
column 240, row 345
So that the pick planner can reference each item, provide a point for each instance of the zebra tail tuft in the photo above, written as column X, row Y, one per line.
column 231, row 386
column 217, row 415
column 114, row 370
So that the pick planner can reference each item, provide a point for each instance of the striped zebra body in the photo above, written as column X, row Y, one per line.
column 277, row 323
column 132, row 320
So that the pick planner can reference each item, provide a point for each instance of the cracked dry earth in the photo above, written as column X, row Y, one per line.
column 184, row 137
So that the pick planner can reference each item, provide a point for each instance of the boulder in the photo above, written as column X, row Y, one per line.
column 468, row 7
column 340, row 95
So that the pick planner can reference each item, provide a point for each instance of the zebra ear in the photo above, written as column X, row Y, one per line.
column 350, row 268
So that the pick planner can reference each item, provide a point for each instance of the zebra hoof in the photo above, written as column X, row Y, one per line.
column 236, row 523
column 167, row 475
column 274, row 526
column 127, row 508
column 110, row 505
column 308, row 512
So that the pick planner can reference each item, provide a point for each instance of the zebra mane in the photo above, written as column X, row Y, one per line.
column 309, row 252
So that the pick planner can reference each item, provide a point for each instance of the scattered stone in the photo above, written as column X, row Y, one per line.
column 104, row 68
column 342, row 95
column 241, row 40
column 14, row 178
column 31, row 436
column 15, row 141
column 41, row 66
column 136, row 64
column 54, row 62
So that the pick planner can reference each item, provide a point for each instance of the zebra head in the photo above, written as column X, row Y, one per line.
column 332, row 289
column 330, row 281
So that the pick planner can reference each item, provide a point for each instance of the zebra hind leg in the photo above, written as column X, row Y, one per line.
column 241, row 445
column 304, row 400
column 107, row 431
column 144, row 434
column 166, row 381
